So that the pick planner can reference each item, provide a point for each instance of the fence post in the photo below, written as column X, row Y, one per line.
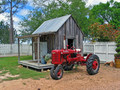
column 10, row 48
column 18, row 50
column 106, row 52
column 94, row 48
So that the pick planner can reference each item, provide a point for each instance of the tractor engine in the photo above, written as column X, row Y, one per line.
column 65, row 56
column 56, row 56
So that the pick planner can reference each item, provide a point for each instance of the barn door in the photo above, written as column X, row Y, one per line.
column 71, row 42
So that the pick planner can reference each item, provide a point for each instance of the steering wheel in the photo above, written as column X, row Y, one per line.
column 72, row 47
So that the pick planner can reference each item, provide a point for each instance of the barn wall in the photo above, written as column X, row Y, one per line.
column 50, row 42
column 71, row 31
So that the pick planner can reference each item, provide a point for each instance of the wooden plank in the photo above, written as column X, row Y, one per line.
column 32, row 50
column 67, row 27
column 18, row 50
column 71, row 31
column 35, row 65
column 28, row 36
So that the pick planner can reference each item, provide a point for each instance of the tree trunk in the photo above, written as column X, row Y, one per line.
column 11, row 25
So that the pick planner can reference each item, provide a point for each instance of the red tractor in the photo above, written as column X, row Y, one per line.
column 65, row 59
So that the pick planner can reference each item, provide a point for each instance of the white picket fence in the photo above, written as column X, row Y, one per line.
column 105, row 50
column 12, row 50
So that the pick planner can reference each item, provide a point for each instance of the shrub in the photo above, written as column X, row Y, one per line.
column 105, row 32
column 118, row 47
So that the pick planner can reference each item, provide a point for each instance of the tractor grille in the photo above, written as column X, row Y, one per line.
column 55, row 57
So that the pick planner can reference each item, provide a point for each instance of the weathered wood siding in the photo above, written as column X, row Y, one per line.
column 50, row 39
column 71, row 31
column 50, row 42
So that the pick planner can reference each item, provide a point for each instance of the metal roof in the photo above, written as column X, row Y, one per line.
column 52, row 25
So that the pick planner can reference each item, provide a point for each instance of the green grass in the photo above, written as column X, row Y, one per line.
column 10, row 64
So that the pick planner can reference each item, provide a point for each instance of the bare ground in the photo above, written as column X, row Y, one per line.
column 108, row 78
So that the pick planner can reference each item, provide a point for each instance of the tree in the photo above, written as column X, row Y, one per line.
column 56, row 9
column 75, row 7
column 11, row 6
column 32, row 22
column 115, row 14
column 106, row 13
column 4, row 33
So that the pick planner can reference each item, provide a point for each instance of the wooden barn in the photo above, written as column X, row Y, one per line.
column 52, row 34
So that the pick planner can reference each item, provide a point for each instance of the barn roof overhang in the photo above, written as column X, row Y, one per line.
column 35, row 35
column 28, row 36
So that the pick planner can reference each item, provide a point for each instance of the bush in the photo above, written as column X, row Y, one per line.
column 105, row 32
column 118, row 44
column 118, row 47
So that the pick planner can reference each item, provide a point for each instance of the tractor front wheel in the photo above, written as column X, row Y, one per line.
column 93, row 64
column 58, row 73
column 52, row 72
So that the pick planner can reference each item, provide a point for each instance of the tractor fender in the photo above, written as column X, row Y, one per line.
column 89, row 56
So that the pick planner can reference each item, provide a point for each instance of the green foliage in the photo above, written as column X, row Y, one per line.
column 16, row 5
column 118, row 47
column 11, row 7
column 10, row 64
column 57, row 9
column 118, row 44
column 4, row 33
column 106, row 12
column 100, row 13
column 32, row 22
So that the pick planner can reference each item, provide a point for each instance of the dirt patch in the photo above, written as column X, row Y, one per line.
column 7, row 75
column 108, row 78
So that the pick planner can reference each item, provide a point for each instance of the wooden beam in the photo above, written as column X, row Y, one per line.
column 32, row 49
column 28, row 36
column 18, row 50
column 35, row 35
column 38, row 49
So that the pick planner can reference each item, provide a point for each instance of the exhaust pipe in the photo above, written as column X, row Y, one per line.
column 64, row 42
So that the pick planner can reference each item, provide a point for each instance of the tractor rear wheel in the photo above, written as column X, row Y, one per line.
column 52, row 71
column 93, row 64
column 58, row 74
column 68, row 67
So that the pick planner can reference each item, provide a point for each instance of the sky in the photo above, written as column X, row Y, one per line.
column 23, row 12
